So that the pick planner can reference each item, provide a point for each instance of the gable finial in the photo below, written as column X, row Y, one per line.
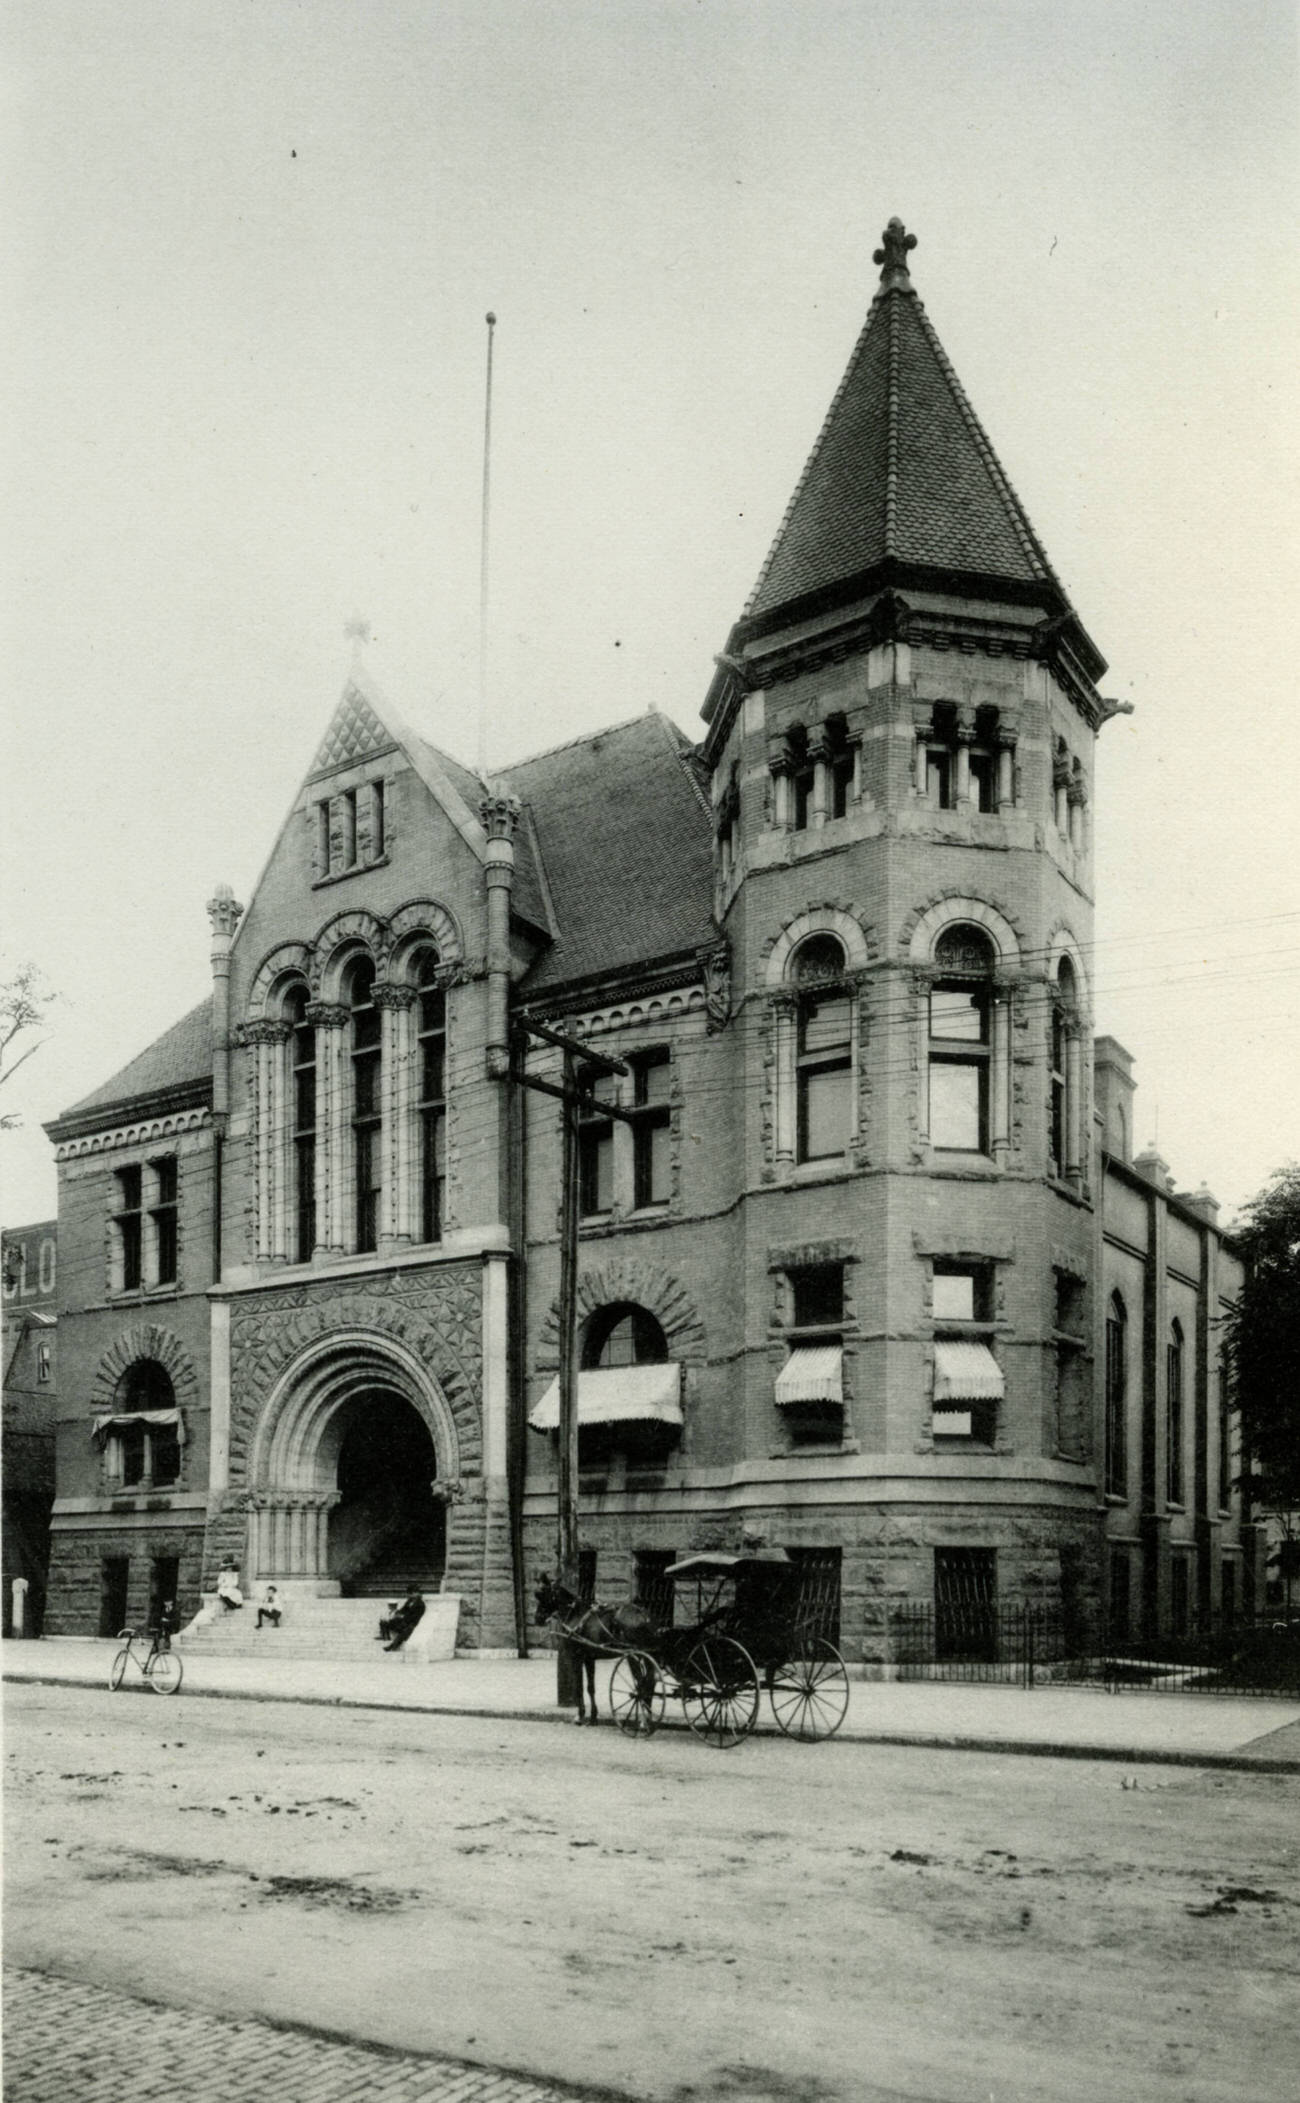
column 357, row 632
column 892, row 253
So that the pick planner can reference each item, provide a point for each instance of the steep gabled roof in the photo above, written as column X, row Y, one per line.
column 623, row 833
column 902, row 473
column 181, row 1058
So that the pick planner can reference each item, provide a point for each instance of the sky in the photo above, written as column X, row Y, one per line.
column 249, row 250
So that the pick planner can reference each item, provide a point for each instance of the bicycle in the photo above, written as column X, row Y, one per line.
column 161, row 1667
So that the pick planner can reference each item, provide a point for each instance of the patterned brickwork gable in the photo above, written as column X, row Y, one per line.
column 355, row 734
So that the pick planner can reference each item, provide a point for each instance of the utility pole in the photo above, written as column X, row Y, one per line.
column 581, row 1068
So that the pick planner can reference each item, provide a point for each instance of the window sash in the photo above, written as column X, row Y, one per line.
column 824, row 1105
column 959, row 1105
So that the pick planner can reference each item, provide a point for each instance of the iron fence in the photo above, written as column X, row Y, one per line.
column 1030, row 1645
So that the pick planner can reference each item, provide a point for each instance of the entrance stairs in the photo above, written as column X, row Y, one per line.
column 336, row 1629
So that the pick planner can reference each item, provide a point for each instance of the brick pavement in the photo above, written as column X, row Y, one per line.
column 66, row 2042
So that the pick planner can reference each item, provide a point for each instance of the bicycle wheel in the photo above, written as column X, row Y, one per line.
column 164, row 1672
column 719, row 1691
column 810, row 1694
column 636, row 1694
column 118, row 1672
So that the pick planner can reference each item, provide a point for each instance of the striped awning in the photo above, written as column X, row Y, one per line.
column 623, row 1394
column 812, row 1373
column 156, row 1417
column 965, row 1372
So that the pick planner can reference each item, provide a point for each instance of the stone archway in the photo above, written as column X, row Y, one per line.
column 354, row 1470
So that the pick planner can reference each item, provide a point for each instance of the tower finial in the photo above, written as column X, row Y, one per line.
column 892, row 253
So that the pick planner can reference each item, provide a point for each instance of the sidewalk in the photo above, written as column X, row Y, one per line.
column 1195, row 1729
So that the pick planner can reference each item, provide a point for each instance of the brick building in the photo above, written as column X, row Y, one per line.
column 30, row 1273
column 848, row 1276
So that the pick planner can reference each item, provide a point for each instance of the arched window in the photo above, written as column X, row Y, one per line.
column 1174, row 1482
column 367, row 1109
column 431, row 1027
column 823, row 1051
column 623, row 1334
column 961, row 1041
column 1062, row 1109
column 140, row 1454
column 1116, row 1397
column 302, row 1100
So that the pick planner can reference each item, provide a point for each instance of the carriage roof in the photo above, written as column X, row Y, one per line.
column 769, row 1560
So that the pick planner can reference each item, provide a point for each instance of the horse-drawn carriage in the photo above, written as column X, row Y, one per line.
column 739, row 1625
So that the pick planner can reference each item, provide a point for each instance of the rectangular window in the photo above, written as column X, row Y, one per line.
column 348, row 800
column 962, row 1293
column 323, row 838
column 653, row 1590
column 304, row 1140
column 818, row 1597
column 824, row 1074
column 376, row 820
column 1174, row 1389
column 130, row 1220
column 1118, row 1606
column 651, row 1136
column 44, row 1364
column 965, row 1603
column 596, row 1155
column 959, row 1068
column 164, row 1216
column 164, row 1454
column 133, row 1440
column 1116, row 1405
column 818, row 1295
column 433, row 1110
column 841, row 784
column 939, row 778
column 984, row 780
column 801, row 788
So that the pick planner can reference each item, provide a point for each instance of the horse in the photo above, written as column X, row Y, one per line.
column 595, row 1631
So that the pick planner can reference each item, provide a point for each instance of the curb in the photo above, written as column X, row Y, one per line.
column 931, row 1741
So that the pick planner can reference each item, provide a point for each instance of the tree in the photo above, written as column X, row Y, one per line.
column 1262, row 1359
column 24, row 1003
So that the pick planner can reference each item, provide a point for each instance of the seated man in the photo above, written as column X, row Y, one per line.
column 228, row 1591
column 270, row 1608
column 397, row 1626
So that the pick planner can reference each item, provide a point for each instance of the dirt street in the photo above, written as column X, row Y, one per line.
column 801, row 1923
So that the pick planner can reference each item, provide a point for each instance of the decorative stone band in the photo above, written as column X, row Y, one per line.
column 147, row 1132
column 654, row 1008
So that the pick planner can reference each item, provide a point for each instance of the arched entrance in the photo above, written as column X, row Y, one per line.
column 388, row 1530
column 350, row 1471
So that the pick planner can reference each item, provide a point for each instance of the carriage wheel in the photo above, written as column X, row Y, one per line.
column 636, row 1694
column 719, row 1690
column 810, row 1694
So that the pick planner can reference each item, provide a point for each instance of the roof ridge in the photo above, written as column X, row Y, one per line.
column 818, row 442
column 584, row 738
column 1025, row 530
column 684, row 751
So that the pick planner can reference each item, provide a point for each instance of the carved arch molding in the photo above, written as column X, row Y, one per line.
column 343, row 936
column 144, row 1340
column 645, row 1285
column 435, row 1322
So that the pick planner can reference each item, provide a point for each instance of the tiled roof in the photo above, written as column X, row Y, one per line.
column 182, row 1056
column 625, row 846
column 902, row 470
column 355, row 733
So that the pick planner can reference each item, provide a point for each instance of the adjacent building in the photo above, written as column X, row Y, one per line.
column 852, row 1264
column 30, row 1271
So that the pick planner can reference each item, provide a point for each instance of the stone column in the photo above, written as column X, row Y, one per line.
column 1006, row 769
column 785, row 1016
column 965, row 738
column 394, row 1003
column 500, row 815
column 821, row 778
column 264, row 1039
column 332, row 1132
column 1000, row 1076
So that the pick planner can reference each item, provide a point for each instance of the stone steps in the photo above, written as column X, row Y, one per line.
column 325, row 1630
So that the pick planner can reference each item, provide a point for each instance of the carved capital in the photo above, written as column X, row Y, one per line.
column 327, row 1014
column 224, row 911
column 500, row 815
column 386, row 994
column 266, row 1031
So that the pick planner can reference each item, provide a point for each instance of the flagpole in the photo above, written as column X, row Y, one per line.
column 483, row 562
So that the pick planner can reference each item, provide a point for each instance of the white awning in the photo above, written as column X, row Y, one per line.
column 812, row 1373
column 965, row 1372
column 622, row 1394
column 101, row 1426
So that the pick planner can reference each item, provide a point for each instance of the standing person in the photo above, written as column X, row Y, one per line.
column 397, row 1627
column 270, row 1608
column 228, row 1591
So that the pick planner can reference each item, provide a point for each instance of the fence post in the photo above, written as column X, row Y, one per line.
column 1029, row 1647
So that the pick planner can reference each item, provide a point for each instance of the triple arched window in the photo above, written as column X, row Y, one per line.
column 350, row 1109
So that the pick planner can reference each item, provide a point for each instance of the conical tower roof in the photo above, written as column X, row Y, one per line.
column 902, row 485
